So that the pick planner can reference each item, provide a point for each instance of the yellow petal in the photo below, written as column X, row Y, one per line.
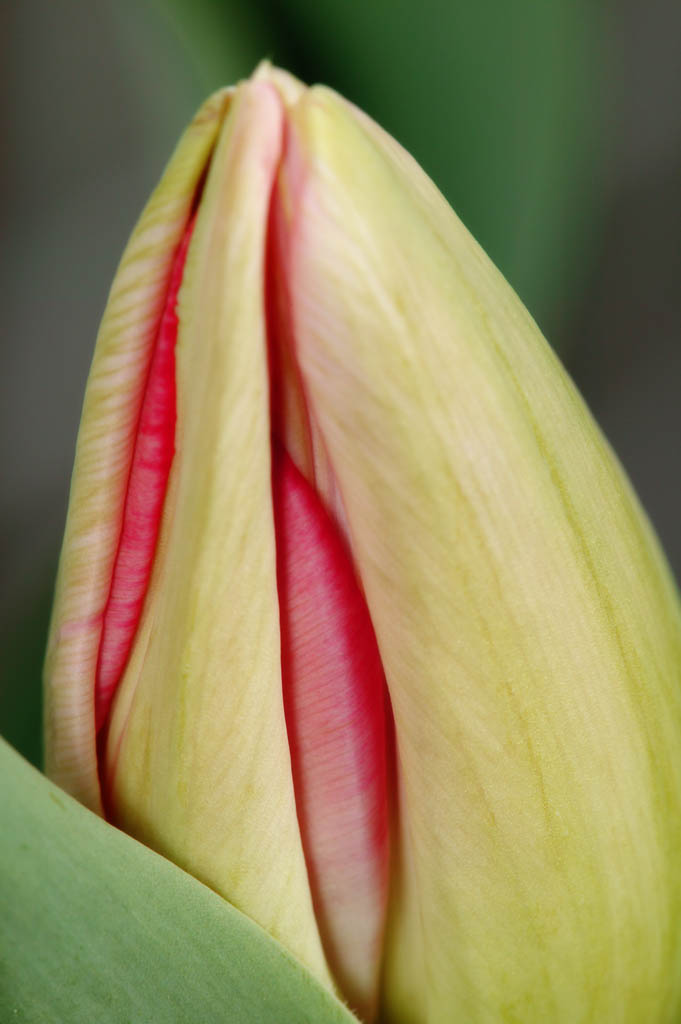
column 527, row 623
column 198, row 749
column 103, row 456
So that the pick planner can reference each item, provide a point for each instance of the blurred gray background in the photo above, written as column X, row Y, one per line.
column 554, row 129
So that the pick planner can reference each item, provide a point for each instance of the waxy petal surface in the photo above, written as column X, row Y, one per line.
column 527, row 624
column 197, row 761
column 154, row 450
column 104, row 454
column 335, row 702
column 445, row 517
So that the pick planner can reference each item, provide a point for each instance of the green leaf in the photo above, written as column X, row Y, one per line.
column 96, row 927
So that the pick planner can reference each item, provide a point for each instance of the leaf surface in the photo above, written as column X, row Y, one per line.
column 94, row 926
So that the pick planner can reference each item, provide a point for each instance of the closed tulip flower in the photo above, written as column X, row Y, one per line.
column 357, row 618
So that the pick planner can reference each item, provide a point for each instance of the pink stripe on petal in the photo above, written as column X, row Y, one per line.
column 154, row 450
column 335, row 703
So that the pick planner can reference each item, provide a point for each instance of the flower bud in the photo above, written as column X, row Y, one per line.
column 331, row 481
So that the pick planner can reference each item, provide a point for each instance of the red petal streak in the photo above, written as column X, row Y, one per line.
column 154, row 449
column 334, row 697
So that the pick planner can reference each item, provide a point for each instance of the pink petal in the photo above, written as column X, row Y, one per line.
column 154, row 450
column 335, row 703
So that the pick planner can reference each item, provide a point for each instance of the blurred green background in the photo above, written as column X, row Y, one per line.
column 553, row 128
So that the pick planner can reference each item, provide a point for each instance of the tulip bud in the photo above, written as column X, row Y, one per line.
column 329, row 478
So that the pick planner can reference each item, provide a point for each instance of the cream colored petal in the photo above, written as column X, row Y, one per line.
column 103, row 456
column 292, row 424
column 289, row 88
column 527, row 622
column 198, row 755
